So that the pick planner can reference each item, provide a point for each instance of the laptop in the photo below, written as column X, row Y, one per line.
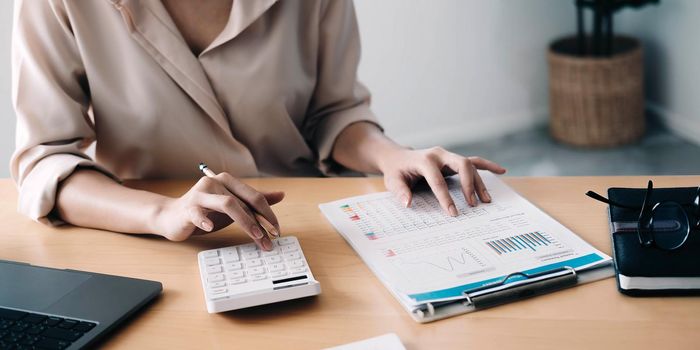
column 47, row 308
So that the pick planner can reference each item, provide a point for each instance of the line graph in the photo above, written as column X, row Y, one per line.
column 452, row 262
column 449, row 265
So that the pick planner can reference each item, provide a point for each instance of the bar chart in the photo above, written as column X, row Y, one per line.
column 531, row 241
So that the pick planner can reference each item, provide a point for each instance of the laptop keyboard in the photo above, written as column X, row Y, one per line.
column 26, row 330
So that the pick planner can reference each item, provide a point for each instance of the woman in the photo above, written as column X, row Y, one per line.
column 250, row 87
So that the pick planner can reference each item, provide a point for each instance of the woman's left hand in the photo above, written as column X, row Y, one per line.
column 363, row 147
column 406, row 167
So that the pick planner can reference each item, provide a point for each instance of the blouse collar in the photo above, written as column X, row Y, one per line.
column 151, row 26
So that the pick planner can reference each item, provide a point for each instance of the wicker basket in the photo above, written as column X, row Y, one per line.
column 596, row 102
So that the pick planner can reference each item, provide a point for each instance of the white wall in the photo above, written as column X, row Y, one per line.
column 670, row 33
column 7, row 115
column 448, row 72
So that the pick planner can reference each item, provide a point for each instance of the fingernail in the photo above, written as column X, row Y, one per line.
column 267, row 244
column 453, row 210
column 278, row 232
column 473, row 200
column 207, row 226
column 404, row 200
column 487, row 196
column 257, row 232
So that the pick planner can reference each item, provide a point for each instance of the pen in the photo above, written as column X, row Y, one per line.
column 271, row 230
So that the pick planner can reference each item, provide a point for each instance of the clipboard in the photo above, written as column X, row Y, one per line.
column 437, row 267
column 503, row 292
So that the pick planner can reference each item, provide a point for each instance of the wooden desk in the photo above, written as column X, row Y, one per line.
column 354, row 305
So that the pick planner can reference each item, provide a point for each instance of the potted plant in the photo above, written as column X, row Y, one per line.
column 596, row 92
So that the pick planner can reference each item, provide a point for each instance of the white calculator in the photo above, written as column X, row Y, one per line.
column 243, row 276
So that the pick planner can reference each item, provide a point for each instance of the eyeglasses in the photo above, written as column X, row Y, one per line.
column 666, row 224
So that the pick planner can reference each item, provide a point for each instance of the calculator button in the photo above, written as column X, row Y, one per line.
column 278, row 274
column 210, row 254
column 212, row 261
column 257, row 277
column 296, row 263
column 251, row 255
column 214, row 269
column 297, row 270
column 254, row 262
column 237, row 281
column 285, row 240
column 289, row 248
column 275, row 267
column 271, row 252
column 219, row 290
column 256, row 271
column 215, row 278
column 292, row 256
column 233, row 266
column 217, row 284
column 235, row 274
column 273, row 259
column 230, row 254
column 250, row 247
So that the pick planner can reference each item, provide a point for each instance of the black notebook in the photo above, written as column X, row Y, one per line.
column 649, row 270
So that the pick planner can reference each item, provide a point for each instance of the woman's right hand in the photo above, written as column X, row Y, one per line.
column 214, row 203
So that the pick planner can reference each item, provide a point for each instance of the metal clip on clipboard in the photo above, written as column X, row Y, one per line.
column 502, row 292
column 534, row 284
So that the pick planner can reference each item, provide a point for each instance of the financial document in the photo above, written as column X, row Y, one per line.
column 423, row 255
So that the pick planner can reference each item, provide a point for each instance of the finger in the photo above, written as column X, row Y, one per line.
column 274, row 197
column 481, row 190
column 466, row 180
column 260, row 209
column 251, row 197
column 269, row 228
column 437, row 183
column 271, row 197
column 264, row 243
column 398, row 186
column 199, row 218
column 234, row 208
column 206, row 184
column 485, row 164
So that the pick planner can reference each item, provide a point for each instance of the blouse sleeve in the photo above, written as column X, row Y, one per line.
column 339, row 99
column 51, row 99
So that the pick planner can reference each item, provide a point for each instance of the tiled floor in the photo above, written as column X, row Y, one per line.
column 534, row 153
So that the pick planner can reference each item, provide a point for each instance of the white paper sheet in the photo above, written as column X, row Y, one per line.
column 424, row 255
column 389, row 341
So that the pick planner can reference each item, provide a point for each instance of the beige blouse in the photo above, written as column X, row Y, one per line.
column 268, row 96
